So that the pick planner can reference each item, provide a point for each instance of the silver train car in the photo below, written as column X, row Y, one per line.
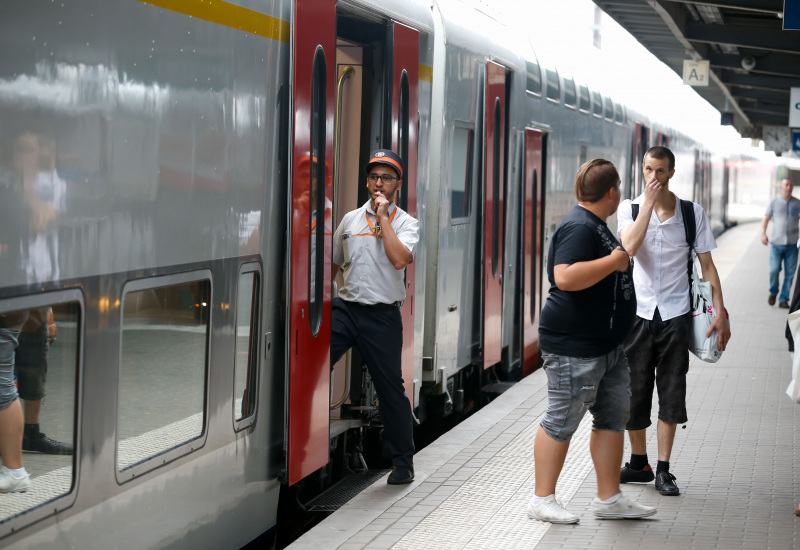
column 171, row 172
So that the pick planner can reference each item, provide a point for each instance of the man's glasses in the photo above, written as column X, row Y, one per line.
column 385, row 178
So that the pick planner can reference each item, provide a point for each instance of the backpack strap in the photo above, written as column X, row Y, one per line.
column 690, row 228
column 689, row 224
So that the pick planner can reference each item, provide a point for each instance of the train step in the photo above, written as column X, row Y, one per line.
column 340, row 493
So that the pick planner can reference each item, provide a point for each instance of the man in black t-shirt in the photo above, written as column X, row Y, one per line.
column 590, row 310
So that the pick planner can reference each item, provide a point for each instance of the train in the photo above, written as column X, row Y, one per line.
column 171, row 172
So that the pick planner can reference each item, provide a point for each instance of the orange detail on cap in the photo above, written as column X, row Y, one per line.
column 385, row 159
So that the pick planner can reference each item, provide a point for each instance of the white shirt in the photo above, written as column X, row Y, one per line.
column 369, row 276
column 660, row 266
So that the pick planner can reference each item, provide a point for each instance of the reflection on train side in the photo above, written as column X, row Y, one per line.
column 162, row 384
column 39, row 352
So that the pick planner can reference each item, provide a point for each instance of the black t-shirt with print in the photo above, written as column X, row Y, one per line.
column 593, row 321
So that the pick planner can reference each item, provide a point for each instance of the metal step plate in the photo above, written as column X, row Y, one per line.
column 338, row 495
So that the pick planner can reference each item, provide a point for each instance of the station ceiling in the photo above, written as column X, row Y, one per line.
column 753, row 62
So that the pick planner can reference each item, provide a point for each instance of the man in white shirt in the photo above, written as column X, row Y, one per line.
column 657, row 347
column 373, row 245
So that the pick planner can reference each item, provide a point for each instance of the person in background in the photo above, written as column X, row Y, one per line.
column 586, row 318
column 784, row 211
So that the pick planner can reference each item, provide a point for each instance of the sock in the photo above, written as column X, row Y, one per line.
column 18, row 473
column 662, row 467
column 538, row 499
column 612, row 499
column 638, row 462
column 31, row 431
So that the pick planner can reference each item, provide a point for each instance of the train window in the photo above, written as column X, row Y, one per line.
column 570, row 97
column 597, row 104
column 553, row 88
column 533, row 78
column 163, row 375
column 608, row 108
column 316, row 262
column 619, row 113
column 585, row 100
column 40, row 341
column 402, row 136
column 245, row 369
column 496, row 183
column 461, row 172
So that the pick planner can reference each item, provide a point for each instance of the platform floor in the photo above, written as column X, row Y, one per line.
column 736, row 461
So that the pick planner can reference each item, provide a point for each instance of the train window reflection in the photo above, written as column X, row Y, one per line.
column 585, row 100
column 534, row 78
column 553, row 89
column 461, row 173
column 570, row 97
column 162, row 382
column 246, row 363
column 319, row 201
column 39, row 351
column 597, row 104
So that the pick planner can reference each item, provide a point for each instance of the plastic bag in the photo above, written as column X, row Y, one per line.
column 793, row 391
column 705, row 348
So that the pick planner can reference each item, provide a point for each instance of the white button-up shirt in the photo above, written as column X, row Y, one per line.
column 369, row 276
column 660, row 266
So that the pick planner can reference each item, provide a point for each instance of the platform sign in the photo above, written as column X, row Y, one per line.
column 695, row 73
column 794, row 108
column 791, row 15
column 795, row 140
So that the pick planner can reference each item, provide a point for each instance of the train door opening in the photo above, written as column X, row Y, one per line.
column 493, row 212
column 531, row 245
column 376, row 104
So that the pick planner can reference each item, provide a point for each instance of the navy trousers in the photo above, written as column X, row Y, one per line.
column 377, row 331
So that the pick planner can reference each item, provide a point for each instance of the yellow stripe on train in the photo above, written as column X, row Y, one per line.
column 229, row 15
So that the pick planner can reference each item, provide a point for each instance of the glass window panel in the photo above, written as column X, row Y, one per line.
column 618, row 113
column 609, row 108
column 553, row 89
column 597, row 104
column 534, row 78
column 246, row 363
column 585, row 100
column 461, row 173
column 162, row 382
column 39, row 347
column 570, row 97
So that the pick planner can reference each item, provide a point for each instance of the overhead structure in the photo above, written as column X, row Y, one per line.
column 754, row 62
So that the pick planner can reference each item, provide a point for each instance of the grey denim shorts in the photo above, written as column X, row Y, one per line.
column 8, row 345
column 576, row 385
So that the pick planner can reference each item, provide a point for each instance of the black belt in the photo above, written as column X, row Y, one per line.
column 393, row 304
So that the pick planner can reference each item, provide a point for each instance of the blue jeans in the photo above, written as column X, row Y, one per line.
column 576, row 385
column 786, row 253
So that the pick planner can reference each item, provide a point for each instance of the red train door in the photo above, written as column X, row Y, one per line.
column 532, row 249
column 494, row 178
column 313, row 60
column 405, row 101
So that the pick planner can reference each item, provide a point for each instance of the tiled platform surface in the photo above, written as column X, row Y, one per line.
column 736, row 461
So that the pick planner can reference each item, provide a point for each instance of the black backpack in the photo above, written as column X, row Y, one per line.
column 689, row 227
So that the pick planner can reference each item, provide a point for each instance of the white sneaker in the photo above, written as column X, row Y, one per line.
column 551, row 510
column 622, row 508
column 10, row 484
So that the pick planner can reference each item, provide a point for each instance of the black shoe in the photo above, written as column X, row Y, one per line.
column 629, row 475
column 665, row 484
column 400, row 476
column 46, row 445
